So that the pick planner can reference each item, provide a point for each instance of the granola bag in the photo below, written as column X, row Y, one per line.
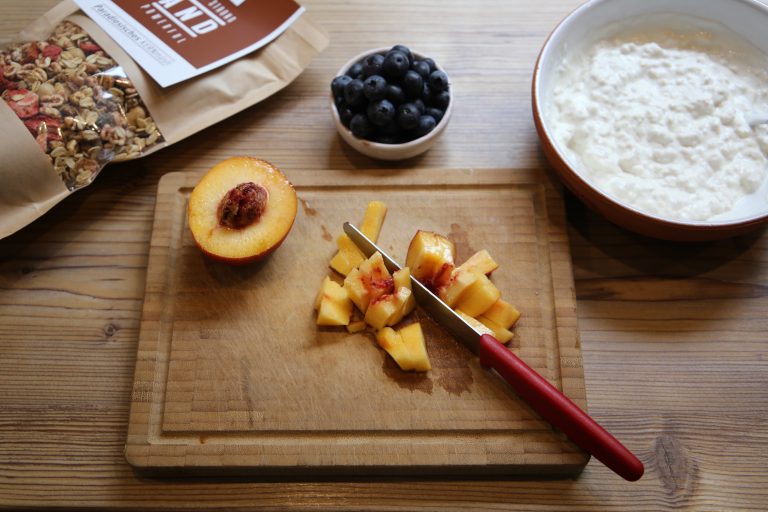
column 75, row 101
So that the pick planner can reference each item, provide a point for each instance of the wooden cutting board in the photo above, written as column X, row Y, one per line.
column 233, row 374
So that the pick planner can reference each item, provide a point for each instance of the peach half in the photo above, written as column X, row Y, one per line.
column 241, row 210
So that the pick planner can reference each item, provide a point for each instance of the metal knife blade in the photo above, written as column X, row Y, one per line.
column 429, row 302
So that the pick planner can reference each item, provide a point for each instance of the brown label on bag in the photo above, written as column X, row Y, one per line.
column 205, row 31
column 174, row 40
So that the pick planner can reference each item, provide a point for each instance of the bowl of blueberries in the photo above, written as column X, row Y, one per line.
column 391, row 103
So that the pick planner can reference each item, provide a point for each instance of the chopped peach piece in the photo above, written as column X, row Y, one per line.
column 413, row 340
column 454, row 289
column 392, row 343
column 430, row 258
column 334, row 308
column 500, row 333
column 476, row 324
column 480, row 262
column 479, row 297
column 373, row 220
column 502, row 313
column 381, row 310
column 357, row 326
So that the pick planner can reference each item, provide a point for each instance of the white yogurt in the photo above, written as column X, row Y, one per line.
column 660, row 121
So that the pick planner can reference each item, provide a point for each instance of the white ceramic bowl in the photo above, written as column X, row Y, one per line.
column 743, row 19
column 390, row 151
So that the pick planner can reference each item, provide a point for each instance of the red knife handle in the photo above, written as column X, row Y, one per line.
column 559, row 410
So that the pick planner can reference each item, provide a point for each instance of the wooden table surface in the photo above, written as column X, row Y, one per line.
column 674, row 337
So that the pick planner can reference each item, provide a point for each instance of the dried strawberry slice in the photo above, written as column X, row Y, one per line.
column 23, row 102
column 29, row 53
column 44, row 124
column 4, row 82
column 89, row 47
column 53, row 51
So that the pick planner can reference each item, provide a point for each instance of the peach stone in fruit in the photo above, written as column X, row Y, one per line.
column 241, row 210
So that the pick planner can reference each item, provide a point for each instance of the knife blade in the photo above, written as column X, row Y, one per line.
column 535, row 390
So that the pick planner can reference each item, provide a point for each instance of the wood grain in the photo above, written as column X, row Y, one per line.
column 673, row 336
column 233, row 374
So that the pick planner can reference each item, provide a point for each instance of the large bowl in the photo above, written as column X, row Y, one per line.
column 381, row 151
column 745, row 19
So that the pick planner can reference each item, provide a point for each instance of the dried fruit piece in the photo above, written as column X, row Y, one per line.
column 52, row 51
column 25, row 103
column 89, row 47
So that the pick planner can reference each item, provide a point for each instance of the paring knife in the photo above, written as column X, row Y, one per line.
column 535, row 390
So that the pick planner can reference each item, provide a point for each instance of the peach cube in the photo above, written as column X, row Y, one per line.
column 413, row 340
column 500, row 333
column 334, row 307
column 480, row 262
column 502, row 313
column 430, row 258
column 479, row 297
column 460, row 282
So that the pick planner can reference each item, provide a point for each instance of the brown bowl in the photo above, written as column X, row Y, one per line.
column 745, row 17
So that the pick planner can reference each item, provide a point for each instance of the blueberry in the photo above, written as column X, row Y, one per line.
column 426, row 124
column 436, row 113
column 426, row 94
column 412, row 83
column 339, row 83
column 408, row 116
column 390, row 129
column 339, row 101
column 355, row 71
column 372, row 65
column 375, row 88
column 381, row 112
column 438, row 80
column 395, row 94
column 431, row 63
column 405, row 50
column 353, row 93
column 422, row 68
column 395, row 64
column 441, row 99
column 420, row 105
column 360, row 126
column 346, row 113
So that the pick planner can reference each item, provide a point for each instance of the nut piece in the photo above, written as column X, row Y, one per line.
column 243, row 205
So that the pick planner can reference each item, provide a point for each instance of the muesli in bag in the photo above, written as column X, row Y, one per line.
column 75, row 101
